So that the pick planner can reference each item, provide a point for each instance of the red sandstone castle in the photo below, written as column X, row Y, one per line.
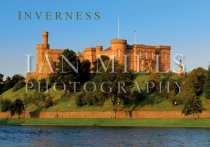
column 139, row 57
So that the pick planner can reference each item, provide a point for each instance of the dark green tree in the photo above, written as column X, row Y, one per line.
column 5, row 105
column 85, row 71
column 195, row 81
column 65, row 73
column 19, row 85
column 207, row 85
column 1, row 83
column 17, row 81
column 193, row 105
column 8, row 84
column 117, row 86
column 173, row 90
column 17, row 107
column 17, row 78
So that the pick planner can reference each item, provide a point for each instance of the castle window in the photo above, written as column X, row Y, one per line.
column 151, row 55
column 165, row 55
column 118, row 53
column 164, row 68
column 145, row 55
column 131, row 66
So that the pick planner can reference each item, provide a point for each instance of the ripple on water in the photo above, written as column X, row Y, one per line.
column 103, row 137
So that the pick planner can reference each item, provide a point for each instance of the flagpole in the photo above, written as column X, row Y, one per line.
column 135, row 36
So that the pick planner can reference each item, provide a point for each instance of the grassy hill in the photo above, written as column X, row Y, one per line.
column 62, row 102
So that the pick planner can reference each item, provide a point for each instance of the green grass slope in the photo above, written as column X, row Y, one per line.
column 68, row 102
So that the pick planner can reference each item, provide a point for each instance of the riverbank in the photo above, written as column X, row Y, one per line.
column 104, row 114
column 104, row 122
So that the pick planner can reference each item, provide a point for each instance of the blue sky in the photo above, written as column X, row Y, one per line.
column 182, row 24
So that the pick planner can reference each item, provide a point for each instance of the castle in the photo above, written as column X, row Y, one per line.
column 139, row 57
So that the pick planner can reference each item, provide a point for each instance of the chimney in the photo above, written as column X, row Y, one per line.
column 45, row 38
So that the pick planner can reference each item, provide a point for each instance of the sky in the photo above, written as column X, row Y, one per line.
column 182, row 24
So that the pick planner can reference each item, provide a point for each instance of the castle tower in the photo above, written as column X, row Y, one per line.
column 164, row 58
column 98, row 50
column 40, row 50
column 118, row 48
column 45, row 38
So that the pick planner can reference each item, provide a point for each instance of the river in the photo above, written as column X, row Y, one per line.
column 36, row 136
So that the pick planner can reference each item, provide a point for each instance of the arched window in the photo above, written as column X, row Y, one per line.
column 165, row 56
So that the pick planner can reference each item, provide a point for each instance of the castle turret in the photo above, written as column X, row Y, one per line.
column 164, row 58
column 45, row 37
column 118, row 48
column 98, row 49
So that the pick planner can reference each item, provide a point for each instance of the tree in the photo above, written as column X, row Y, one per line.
column 117, row 86
column 173, row 90
column 17, row 78
column 17, row 107
column 207, row 85
column 193, row 105
column 19, row 85
column 17, row 81
column 155, row 79
column 1, row 83
column 97, row 63
column 5, row 105
column 85, row 71
column 195, row 81
column 8, row 84
column 65, row 73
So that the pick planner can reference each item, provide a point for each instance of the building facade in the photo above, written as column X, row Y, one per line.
column 138, row 57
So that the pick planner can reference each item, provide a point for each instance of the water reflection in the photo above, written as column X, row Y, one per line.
column 24, row 136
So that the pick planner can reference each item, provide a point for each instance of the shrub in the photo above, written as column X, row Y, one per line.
column 17, row 107
column 8, row 84
column 193, row 105
column 5, row 105
column 207, row 85
column 39, row 97
column 19, row 85
column 195, row 81
column 81, row 100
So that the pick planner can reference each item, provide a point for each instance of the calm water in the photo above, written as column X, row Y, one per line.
column 22, row 136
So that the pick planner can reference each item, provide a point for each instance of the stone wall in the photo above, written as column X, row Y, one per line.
column 106, row 114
